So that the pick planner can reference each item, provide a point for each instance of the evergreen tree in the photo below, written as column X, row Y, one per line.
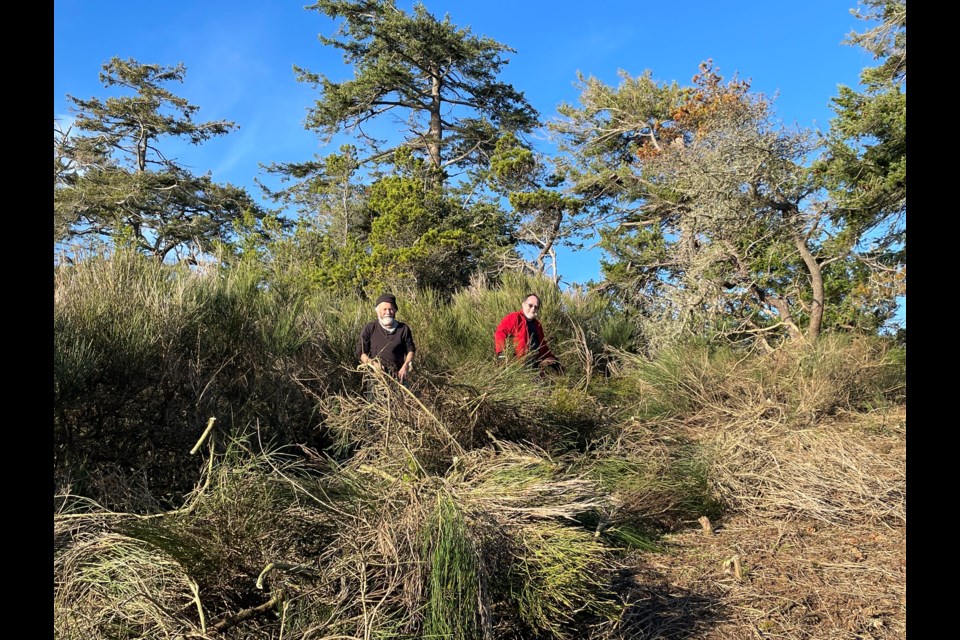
column 407, row 234
column 543, row 217
column 439, row 79
column 865, row 164
column 712, row 224
column 386, row 212
column 113, row 181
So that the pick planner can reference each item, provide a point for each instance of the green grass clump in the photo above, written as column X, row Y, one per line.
column 796, row 384
column 680, row 380
column 561, row 575
column 453, row 575
column 657, row 484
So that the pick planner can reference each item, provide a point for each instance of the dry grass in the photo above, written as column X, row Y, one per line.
column 797, row 385
column 798, row 579
column 383, row 544
column 818, row 473
column 465, row 507
column 769, row 428
column 488, row 550
column 814, row 546
column 440, row 417
column 112, row 586
column 393, row 423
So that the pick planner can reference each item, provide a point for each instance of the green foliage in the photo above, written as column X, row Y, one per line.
column 559, row 576
column 146, row 353
column 859, row 296
column 414, row 235
column 323, row 191
column 453, row 582
column 864, row 167
column 440, row 78
column 797, row 385
column 544, row 218
column 312, row 260
column 670, row 173
column 415, row 241
column 111, row 180
column 407, row 229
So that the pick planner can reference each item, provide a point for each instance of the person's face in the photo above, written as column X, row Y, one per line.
column 531, row 307
column 386, row 312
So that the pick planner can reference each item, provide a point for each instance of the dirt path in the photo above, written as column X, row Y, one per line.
column 762, row 577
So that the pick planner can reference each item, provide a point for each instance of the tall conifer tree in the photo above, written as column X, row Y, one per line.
column 113, row 180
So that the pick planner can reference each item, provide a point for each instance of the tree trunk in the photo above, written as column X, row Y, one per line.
column 816, row 285
column 783, row 310
column 142, row 152
column 435, row 134
column 547, row 243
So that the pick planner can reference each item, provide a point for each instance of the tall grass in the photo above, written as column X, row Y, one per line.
column 757, row 422
column 479, row 501
column 657, row 483
column 116, row 587
column 562, row 573
column 797, row 384
column 112, row 320
column 452, row 574
column 146, row 353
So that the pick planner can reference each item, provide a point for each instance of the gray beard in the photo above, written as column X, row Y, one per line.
column 390, row 327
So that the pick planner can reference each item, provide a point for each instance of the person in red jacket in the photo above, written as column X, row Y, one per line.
column 526, row 333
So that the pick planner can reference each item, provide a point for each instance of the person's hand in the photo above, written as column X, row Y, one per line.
column 404, row 370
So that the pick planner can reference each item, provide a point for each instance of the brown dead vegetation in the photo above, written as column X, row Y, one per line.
column 815, row 547
column 777, row 506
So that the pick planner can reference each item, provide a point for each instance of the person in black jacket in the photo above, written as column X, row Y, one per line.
column 386, row 343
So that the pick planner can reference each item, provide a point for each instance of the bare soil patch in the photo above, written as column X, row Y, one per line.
column 761, row 574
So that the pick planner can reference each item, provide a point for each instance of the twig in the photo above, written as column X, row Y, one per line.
column 203, row 436
column 707, row 527
column 283, row 566
column 196, row 598
column 246, row 614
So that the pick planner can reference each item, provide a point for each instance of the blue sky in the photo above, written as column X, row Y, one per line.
column 239, row 57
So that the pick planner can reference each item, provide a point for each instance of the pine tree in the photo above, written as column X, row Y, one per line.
column 113, row 181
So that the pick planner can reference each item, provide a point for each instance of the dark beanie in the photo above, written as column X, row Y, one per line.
column 387, row 297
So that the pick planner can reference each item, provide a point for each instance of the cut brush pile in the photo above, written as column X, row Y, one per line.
column 420, row 532
column 710, row 494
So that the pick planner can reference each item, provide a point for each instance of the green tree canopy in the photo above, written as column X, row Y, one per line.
column 112, row 179
column 710, row 221
column 439, row 80
column 405, row 233
column 543, row 217
column 380, row 213
column 865, row 164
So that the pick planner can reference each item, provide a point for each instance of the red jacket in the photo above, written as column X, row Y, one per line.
column 514, row 325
